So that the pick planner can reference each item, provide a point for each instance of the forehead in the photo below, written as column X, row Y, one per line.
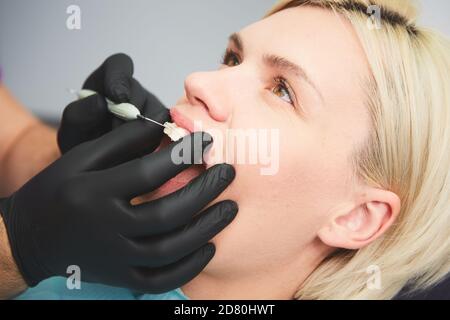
column 323, row 42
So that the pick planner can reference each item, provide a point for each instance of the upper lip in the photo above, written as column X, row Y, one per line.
column 182, row 121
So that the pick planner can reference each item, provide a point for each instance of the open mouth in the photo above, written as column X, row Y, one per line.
column 174, row 184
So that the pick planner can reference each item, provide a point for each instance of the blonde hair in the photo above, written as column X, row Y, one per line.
column 408, row 153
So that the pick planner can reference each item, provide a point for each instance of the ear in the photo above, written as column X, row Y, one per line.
column 362, row 222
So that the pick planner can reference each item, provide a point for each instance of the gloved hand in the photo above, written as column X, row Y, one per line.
column 89, row 118
column 78, row 212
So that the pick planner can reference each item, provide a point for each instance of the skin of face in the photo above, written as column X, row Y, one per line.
column 280, row 215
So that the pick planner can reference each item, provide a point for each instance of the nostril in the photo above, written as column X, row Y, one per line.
column 201, row 102
column 213, row 111
column 201, row 91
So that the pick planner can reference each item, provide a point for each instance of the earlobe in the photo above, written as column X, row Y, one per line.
column 364, row 223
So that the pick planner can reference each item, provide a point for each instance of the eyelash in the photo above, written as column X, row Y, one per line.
column 279, row 80
column 228, row 55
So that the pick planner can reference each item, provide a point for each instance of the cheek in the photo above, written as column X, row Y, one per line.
column 278, row 214
column 275, row 221
column 313, row 174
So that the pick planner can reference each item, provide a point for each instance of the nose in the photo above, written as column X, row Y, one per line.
column 207, row 90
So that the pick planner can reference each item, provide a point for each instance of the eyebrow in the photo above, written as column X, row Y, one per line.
column 280, row 63
column 237, row 41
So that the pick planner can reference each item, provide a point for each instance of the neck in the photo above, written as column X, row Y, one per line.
column 280, row 283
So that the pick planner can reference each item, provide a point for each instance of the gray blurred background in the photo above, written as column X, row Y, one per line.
column 167, row 40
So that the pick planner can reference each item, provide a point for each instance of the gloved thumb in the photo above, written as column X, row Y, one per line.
column 83, row 120
column 113, row 79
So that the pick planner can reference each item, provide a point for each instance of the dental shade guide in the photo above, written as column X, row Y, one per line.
column 128, row 112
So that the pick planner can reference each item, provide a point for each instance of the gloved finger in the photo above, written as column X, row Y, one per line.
column 147, row 103
column 119, row 71
column 146, row 174
column 138, row 95
column 172, row 246
column 173, row 276
column 153, row 107
column 144, row 100
column 161, row 117
column 179, row 208
column 113, row 79
column 83, row 120
column 118, row 146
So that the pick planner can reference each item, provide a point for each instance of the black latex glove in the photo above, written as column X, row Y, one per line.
column 88, row 118
column 77, row 212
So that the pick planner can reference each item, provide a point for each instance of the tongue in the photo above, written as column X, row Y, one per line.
column 177, row 182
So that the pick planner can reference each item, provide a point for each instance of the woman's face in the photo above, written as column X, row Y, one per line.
column 298, row 74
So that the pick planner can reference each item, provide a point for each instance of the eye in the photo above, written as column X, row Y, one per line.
column 283, row 90
column 231, row 58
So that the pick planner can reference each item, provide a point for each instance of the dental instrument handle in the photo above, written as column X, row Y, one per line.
column 124, row 111
column 127, row 112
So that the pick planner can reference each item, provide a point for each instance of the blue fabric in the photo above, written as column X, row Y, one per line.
column 56, row 289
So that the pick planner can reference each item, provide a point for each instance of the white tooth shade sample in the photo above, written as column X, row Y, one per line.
column 174, row 132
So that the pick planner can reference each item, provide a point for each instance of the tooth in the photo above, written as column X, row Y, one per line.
column 174, row 132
